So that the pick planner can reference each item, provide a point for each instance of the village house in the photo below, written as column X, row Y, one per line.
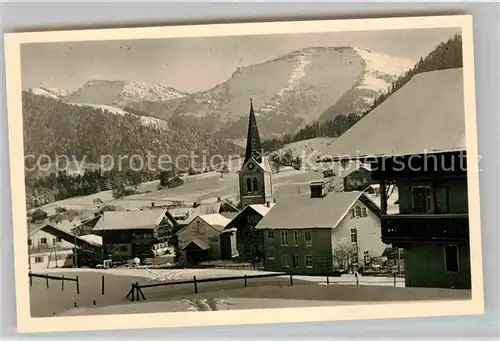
column 199, row 241
column 358, row 180
column 53, row 245
column 415, row 140
column 130, row 234
column 181, row 215
column 247, row 238
column 320, row 232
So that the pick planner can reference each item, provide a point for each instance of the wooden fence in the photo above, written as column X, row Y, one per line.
column 135, row 292
column 62, row 279
column 56, row 278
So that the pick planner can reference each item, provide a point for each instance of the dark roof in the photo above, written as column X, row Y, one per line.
column 229, row 215
column 424, row 116
column 302, row 211
column 254, row 146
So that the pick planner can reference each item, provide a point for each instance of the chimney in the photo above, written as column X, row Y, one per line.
column 318, row 189
column 219, row 199
column 153, row 204
column 268, row 203
column 195, row 204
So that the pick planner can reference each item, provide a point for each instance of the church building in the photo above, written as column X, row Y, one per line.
column 255, row 175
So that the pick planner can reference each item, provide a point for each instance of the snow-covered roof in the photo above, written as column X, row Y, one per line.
column 92, row 239
column 425, row 115
column 216, row 220
column 126, row 220
column 302, row 211
column 262, row 209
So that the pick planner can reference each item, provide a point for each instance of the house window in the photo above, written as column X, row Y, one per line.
column 246, row 233
column 442, row 203
column 308, row 238
column 421, row 199
column 295, row 261
column 270, row 234
column 255, row 185
column 29, row 241
column 354, row 236
column 270, row 252
column 249, row 185
column 284, row 238
column 364, row 213
column 256, row 234
column 123, row 249
column 296, row 238
column 39, row 259
column 43, row 240
column 309, row 261
column 451, row 258
column 353, row 213
column 284, row 261
column 358, row 211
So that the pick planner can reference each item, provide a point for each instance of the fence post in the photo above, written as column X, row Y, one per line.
column 133, row 292
column 137, row 291
column 291, row 279
column 102, row 285
column 357, row 279
column 47, row 280
column 77, row 285
column 31, row 279
column 394, row 279
column 195, row 285
column 62, row 282
column 245, row 277
column 327, row 280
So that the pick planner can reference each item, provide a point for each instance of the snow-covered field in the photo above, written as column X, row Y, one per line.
column 205, row 187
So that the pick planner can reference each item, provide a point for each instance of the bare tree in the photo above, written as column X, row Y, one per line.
column 284, row 159
column 343, row 255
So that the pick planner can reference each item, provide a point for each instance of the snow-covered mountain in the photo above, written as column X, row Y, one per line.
column 307, row 85
column 50, row 92
column 122, row 93
column 293, row 90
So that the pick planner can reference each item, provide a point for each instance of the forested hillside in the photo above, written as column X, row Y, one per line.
column 447, row 55
column 52, row 127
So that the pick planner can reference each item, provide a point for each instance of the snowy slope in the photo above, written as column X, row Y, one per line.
column 50, row 92
column 381, row 70
column 145, row 120
column 122, row 93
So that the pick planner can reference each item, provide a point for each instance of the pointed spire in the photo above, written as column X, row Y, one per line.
column 254, row 147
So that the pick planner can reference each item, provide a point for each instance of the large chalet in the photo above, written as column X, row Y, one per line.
column 415, row 140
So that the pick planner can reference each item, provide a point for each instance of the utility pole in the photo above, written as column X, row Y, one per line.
column 29, row 246
column 399, row 261
column 76, row 253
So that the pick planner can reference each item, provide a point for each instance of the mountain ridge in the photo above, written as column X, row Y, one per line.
column 313, row 83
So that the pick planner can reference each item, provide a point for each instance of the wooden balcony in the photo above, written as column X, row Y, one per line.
column 400, row 229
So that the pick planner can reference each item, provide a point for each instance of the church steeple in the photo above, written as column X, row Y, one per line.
column 254, row 146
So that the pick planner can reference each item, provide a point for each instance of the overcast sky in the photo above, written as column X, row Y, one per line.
column 196, row 64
